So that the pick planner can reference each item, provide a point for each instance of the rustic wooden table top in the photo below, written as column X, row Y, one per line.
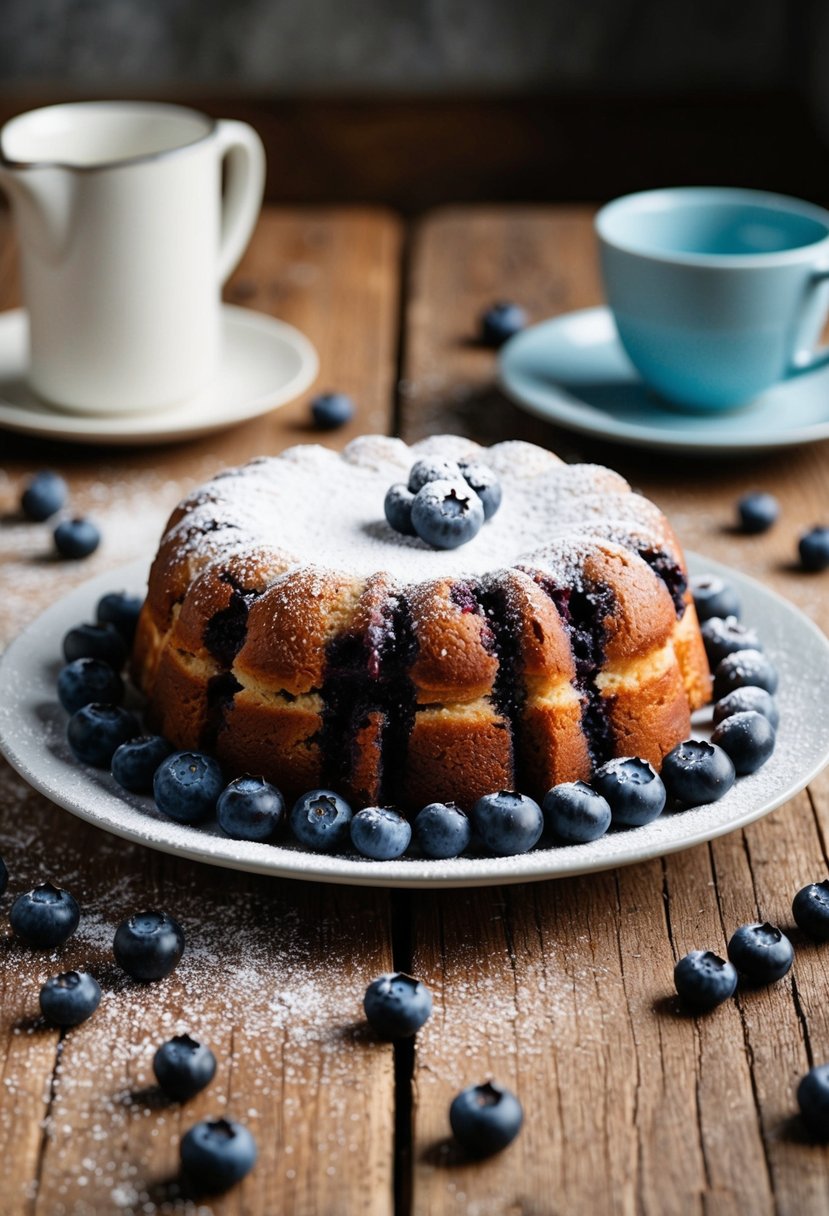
column 562, row 989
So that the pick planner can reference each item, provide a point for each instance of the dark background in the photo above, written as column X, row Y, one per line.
column 417, row 102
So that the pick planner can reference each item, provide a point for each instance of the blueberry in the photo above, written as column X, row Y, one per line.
column 741, row 669
column 183, row 1067
column 86, row 680
column 442, row 830
column 321, row 820
column 397, row 1005
column 135, row 762
column 96, row 731
column 574, row 813
column 216, row 1154
column 380, row 833
column 811, row 910
column 696, row 772
column 331, row 410
column 634, row 790
column 501, row 322
column 485, row 484
column 485, row 1118
column 813, row 1100
column 187, row 785
column 748, row 738
column 447, row 514
column 76, row 538
column 44, row 495
column 427, row 470
column 507, row 822
column 742, row 699
column 121, row 610
column 761, row 953
column 69, row 998
column 398, row 509
column 723, row 636
column 714, row 597
column 704, row 980
column 45, row 917
column 250, row 808
column 813, row 548
column 149, row 945
column 757, row 511
column 102, row 642
column 4, row 877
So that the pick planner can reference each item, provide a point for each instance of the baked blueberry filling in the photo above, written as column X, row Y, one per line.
column 666, row 569
column 221, row 690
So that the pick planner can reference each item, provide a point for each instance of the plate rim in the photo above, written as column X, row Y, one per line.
column 633, row 434
column 116, row 431
column 281, row 863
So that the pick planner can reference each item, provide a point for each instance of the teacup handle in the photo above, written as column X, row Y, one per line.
column 244, row 187
column 807, row 359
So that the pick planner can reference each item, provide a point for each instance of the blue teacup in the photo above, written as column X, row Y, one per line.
column 716, row 293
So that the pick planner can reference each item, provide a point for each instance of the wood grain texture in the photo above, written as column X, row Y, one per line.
column 274, row 972
column 564, row 991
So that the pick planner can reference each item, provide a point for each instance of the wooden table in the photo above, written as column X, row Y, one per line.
column 563, row 990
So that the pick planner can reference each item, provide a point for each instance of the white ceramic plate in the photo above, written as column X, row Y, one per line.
column 264, row 364
column 572, row 371
column 32, row 728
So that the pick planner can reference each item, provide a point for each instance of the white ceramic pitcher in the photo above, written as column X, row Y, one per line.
column 126, row 239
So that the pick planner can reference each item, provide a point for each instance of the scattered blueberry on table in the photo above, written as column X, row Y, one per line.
column 121, row 610
column 813, row 548
column 761, row 952
column 321, row 820
column 485, row 1118
column 703, row 980
column 714, row 597
column 250, row 808
column 500, row 322
column 746, row 698
column 695, row 773
column 95, row 732
column 86, row 680
column 447, row 514
column 810, row 908
column 96, row 641
column 748, row 738
column 757, row 511
column 634, row 790
column 187, row 785
column 135, row 762
column 331, row 410
column 397, row 507
column 183, row 1067
column 380, row 833
column 69, row 998
column 507, row 822
column 722, row 636
column 397, row 1005
column 76, row 538
column 216, row 1154
column 149, row 945
column 442, row 830
column 574, row 813
column 43, row 496
column 744, row 668
column 813, row 1100
column 45, row 917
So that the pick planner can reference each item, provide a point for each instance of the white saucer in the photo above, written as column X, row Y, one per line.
column 572, row 370
column 33, row 739
column 264, row 363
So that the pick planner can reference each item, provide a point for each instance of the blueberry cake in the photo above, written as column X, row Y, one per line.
column 290, row 632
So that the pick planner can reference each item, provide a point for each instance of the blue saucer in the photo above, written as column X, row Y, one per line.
column 572, row 371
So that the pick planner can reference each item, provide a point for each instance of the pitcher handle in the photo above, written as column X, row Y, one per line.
column 242, row 149
column 808, row 358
